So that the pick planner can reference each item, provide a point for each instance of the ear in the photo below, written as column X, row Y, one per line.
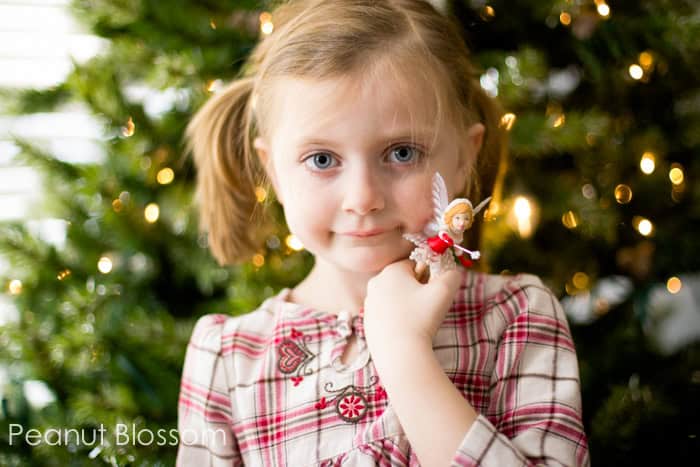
column 264, row 154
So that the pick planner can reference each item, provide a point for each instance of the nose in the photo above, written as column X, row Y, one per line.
column 364, row 192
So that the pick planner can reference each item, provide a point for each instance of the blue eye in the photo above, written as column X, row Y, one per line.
column 320, row 161
column 405, row 154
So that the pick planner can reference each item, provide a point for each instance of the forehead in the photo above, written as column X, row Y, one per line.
column 381, row 102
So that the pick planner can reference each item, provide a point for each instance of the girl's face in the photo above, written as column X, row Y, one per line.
column 351, row 175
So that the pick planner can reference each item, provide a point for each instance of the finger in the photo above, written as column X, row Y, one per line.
column 445, row 284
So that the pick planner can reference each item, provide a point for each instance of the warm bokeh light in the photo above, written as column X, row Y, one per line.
column 648, row 162
column 623, row 193
column 151, row 213
column 570, row 220
column 293, row 242
column 580, row 280
column 676, row 174
column 258, row 260
column 674, row 285
column 129, row 129
column 165, row 176
column 636, row 71
column 507, row 121
column 266, row 26
column 63, row 274
column 646, row 60
column 523, row 215
column 643, row 226
column 559, row 120
column 565, row 18
column 15, row 287
column 260, row 194
column 603, row 9
column 104, row 265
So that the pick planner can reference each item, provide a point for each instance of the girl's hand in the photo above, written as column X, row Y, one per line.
column 398, row 307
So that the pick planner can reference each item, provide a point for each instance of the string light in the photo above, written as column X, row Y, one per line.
column 559, row 120
column 676, row 174
column 646, row 59
column 648, row 162
column 602, row 8
column 165, row 176
column 258, row 260
column 15, row 287
column 117, row 205
column 104, row 265
column 523, row 215
column 507, row 121
column 636, row 71
column 266, row 26
column 674, row 285
column 565, row 18
column 260, row 194
column 588, row 191
column 643, row 225
column 151, row 213
column 293, row 242
column 129, row 129
column 214, row 85
column 623, row 193
column 570, row 220
column 580, row 280
column 488, row 13
column 63, row 274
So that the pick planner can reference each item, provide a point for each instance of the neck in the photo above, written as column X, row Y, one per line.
column 332, row 289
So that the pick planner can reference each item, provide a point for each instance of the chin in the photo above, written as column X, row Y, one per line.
column 370, row 262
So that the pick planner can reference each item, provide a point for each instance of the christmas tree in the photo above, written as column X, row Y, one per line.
column 602, row 105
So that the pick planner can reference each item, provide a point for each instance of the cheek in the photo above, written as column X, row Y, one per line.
column 307, row 214
column 414, row 199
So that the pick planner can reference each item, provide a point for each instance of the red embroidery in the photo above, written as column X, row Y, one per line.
column 294, row 356
column 379, row 394
column 291, row 356
column 321, row 404
column 352, row 407
column 351, row 402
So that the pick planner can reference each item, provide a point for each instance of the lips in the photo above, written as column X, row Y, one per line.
column 365, row 233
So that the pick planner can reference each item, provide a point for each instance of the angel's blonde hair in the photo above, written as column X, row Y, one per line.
column 328, row 39
column 459, row 208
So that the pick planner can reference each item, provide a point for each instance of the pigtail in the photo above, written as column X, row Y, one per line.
column 219, row 137
column 492, row 161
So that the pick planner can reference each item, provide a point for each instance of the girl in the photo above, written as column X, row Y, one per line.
column 347, row 109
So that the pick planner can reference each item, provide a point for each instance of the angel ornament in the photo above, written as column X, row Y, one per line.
column 444, row 233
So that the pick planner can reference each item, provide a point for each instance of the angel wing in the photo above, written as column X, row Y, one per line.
column 417, row 239
column 440, row 200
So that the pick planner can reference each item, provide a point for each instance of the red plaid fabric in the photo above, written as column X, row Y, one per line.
column 268, row 388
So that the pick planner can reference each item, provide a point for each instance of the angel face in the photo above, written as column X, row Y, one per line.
column 461, row 222
column 349, row 171
column 460, row 217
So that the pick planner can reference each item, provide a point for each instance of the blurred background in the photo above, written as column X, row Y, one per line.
column 103, row 272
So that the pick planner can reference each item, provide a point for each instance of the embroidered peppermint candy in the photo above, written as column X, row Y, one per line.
column 351, row 407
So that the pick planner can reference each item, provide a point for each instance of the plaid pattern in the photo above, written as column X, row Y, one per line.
column 268, row 388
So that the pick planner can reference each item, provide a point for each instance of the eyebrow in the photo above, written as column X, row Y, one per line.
column 419, row 134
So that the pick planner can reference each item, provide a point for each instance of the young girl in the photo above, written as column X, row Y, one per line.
column 348, row 109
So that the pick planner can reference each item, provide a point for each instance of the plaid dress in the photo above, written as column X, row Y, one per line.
column 269, row 389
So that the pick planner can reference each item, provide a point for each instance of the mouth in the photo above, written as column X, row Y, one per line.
column 365, row 233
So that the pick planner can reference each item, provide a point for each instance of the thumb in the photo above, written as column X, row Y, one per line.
column 443, row 287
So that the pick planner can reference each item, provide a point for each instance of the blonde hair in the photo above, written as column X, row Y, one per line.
column 460, row 208
column 326, row 39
